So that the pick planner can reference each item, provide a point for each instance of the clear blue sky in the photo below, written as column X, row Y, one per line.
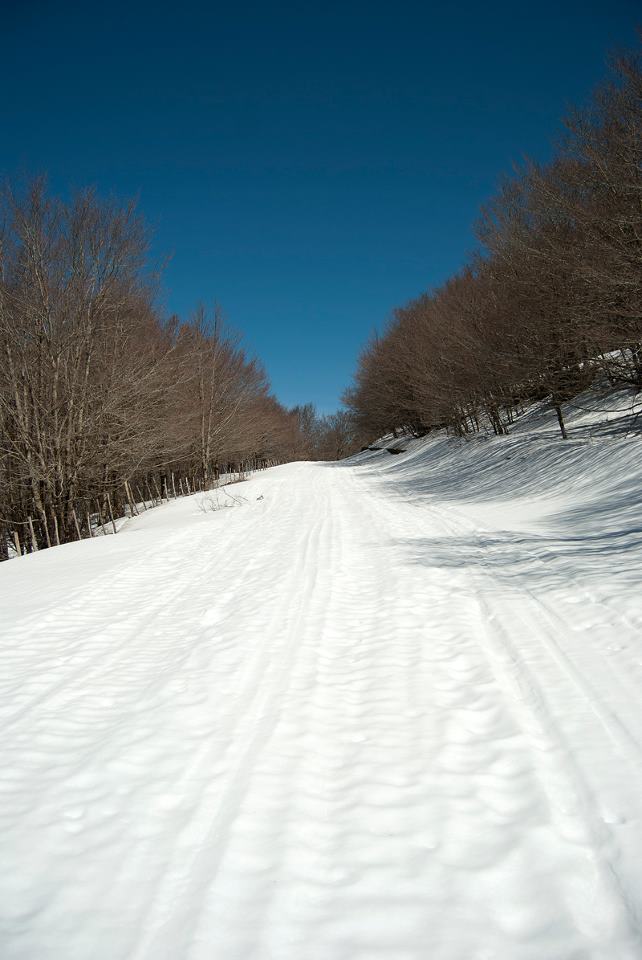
column 309, row 166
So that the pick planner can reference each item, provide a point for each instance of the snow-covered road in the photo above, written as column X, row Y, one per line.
column 353, row 719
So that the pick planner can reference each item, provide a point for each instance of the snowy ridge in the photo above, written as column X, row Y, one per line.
column 388, row 710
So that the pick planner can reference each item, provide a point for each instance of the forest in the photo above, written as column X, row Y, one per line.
column 104, row 404
column 551, row 301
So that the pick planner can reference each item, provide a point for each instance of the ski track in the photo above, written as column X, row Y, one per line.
column 277, row 735
column 601, row 903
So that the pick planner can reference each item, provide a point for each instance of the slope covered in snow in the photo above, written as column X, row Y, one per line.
column 387, row 708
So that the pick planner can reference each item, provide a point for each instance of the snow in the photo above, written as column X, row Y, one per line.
column 390, row 710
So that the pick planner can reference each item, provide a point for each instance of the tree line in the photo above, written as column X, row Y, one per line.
column 552, row 300
column 104, row 404
column 330, row 436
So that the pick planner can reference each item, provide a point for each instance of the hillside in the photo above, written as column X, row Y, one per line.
column 383, row 708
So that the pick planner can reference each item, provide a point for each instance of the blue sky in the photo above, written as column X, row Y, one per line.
column 309, row 167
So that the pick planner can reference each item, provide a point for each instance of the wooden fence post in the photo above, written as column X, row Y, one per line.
column 111, row 514
column 77, row 525
column 43, row 520
column 34, row 542
column 133, row 509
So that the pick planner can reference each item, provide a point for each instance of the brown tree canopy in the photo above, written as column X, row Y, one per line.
column 99, row 394
column 553, row 300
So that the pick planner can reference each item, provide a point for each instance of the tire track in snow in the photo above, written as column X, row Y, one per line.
column 140, row 640
column 247, row 897
column 346, row 690
column 623, row 739
column 84, row 611
column 109, row 652
column 394, row 888
column 177, row 904
column 88, row 606
column 618, row 920
column 603, row 908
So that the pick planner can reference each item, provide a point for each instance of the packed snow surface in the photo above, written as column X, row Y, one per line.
column 386, row 709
